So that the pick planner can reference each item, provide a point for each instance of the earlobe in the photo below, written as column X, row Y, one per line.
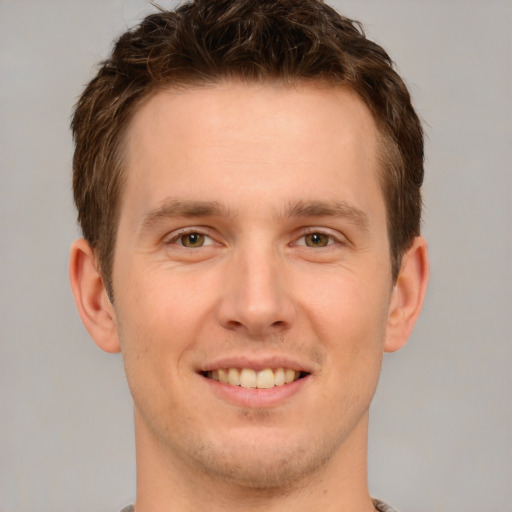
column 408, row 295
column 92, row 302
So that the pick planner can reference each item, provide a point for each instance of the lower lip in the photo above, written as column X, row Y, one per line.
column 254, row 397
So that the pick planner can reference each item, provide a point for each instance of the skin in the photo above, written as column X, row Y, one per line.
column 277, row 187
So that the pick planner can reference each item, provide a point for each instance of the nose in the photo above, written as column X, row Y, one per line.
column 256, row 296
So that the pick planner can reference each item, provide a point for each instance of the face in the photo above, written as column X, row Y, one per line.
column 252, row 277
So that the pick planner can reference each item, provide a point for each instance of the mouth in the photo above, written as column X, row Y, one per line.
column 249, row 378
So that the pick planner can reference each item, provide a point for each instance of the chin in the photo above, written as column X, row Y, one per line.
column 263, row 464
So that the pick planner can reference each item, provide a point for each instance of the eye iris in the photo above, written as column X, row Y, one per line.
column 192, row 240
column 317, row 240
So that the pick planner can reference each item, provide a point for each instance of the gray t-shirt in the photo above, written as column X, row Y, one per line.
column 379, row 505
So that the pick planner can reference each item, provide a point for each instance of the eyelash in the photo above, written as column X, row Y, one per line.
column 176, row 237
column 332, row 239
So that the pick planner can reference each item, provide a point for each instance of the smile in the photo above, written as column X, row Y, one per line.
column 249, row 378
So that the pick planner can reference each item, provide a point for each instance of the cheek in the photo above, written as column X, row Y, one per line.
column 346, row 303
column 355, row 351
column 350, row 316
column 160, row 317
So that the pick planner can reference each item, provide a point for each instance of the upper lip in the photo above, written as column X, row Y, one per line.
column 256, row 363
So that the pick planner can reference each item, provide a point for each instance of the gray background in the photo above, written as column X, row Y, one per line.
column 441, row 434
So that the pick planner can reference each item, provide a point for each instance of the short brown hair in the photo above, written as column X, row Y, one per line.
column 207, row 41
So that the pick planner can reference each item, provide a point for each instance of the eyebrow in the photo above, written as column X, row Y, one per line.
column 340, row 209
column 182, row 208
column 188, row 208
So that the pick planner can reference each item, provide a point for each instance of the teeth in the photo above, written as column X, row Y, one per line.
column 248, row 378
column 223, row 376
column 289, row 376
column 234, row 377
column 279, row 377
column 265, row 379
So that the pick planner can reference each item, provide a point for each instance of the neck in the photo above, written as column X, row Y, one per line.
column 166, row 483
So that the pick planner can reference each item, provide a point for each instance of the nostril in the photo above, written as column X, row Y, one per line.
column 234, row 324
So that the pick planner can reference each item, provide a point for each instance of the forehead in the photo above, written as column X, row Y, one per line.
column 263, row 109
column 272, row 139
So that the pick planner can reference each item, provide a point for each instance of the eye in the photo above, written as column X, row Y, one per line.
column 191, row 240
column 316, row 239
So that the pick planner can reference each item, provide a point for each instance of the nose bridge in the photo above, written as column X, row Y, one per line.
column 256, row 298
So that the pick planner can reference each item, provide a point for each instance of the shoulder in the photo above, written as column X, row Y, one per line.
column 380, row 506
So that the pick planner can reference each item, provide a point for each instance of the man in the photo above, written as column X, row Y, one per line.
column 247, row 176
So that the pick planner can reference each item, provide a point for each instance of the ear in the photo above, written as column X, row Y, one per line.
column 407, row 296
column 91, row 297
